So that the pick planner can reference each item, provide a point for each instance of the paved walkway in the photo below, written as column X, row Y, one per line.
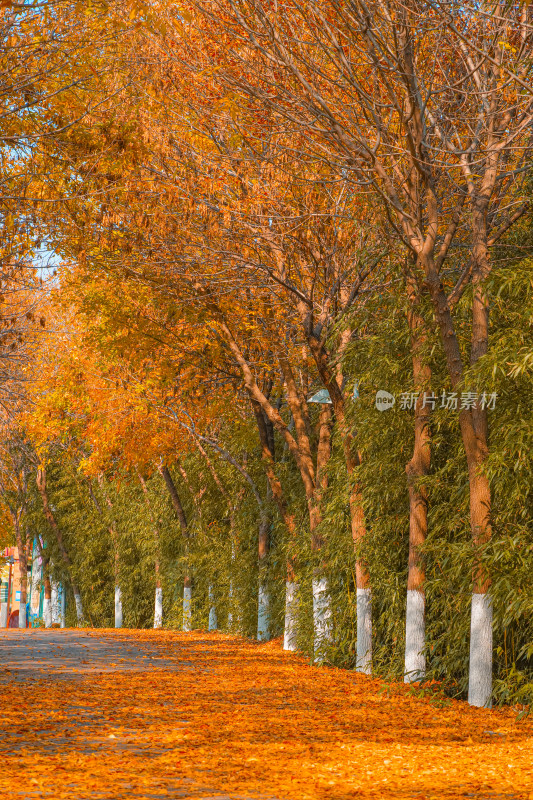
column 103, row 715
column 57, row 654
column 49, row 662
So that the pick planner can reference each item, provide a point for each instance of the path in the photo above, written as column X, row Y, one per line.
column 102, row 715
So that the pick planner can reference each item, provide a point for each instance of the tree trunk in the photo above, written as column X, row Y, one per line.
column 116, row 556
column 45, row 577
column 116, row 571
column 180, row 513
column 118, row 606
column 474, row 436
column 417, row 468
column 290, row 635
column 47, row 602
column 158, row 601
column 175, row 499
column 41, row 486
column 187, row 604
column 231, row 615
column 263, row 605
column 480, row 669
column 266, row 438
column 62, row 607
column 23, row 569
column 321, row 618
column 3, row 605
column 364, row 623
column 213, row 621
column 333, row 383
column 22, row 605
column 56, row 611
column 300, row 447
column 322, row 624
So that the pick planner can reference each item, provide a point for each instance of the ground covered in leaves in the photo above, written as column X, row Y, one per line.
column 156, row 714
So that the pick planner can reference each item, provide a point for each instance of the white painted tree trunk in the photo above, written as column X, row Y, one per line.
column 233, row 622
column 118, row 607
column 22, row 615
column 3, row 605
column 364, row 631
column 321, row 618
column 230, row 605
column 415, row 659
column 47, row 612
column 56, row 611
column 187, row 608
column 158, row 610
column 291, row 616
column 36, row 577
column 62, row 600
column 263, row 615
column 213, row 621
column 480, row 671
column 79, row 609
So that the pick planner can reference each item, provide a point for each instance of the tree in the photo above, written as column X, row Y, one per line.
column 15, row 472
column 434, row 136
